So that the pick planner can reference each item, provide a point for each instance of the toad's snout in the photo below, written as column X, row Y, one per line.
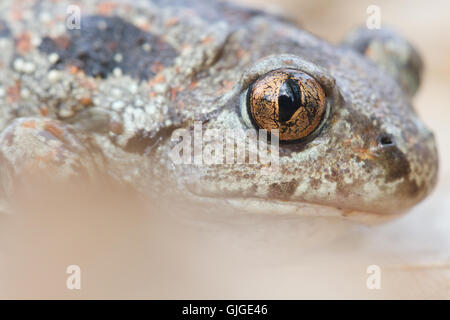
column 410, row 165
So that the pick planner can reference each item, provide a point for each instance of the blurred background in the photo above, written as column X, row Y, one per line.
column 128, row 248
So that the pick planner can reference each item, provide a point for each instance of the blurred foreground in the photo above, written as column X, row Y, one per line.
column 127, row 248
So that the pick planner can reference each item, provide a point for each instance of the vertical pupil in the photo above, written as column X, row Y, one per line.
column 288, row 100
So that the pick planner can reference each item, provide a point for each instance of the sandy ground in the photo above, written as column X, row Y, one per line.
column 130, row 249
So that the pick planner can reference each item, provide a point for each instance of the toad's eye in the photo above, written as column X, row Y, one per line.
column 288, row 100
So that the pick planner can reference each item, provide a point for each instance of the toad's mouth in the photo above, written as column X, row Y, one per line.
column 254, row 205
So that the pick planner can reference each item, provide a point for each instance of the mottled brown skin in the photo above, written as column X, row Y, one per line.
column 373, row 156
column 264, row 105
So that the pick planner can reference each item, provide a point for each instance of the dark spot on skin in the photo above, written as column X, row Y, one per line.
column 395, row 163
column 4, row 30
column 334, row 172
column 409, row 188
column 342, row 188
column 248, row 176
column 315, row 183
column 94, row 47
column 141, row 142
column 283, row 190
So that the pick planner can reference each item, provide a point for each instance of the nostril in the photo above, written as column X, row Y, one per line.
column 385, row 140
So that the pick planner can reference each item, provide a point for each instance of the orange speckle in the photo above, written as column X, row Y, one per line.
column 171, row 22
column 44, row 111
column 106, row 8
column 33, row 165
column 363, row 153
column 54, row 130
column 16, row 14
column 63, row 42
column 48, row 158
column 13, row 93
column 181, row 104
column 193, row 84
column 156, row 67
column 369, row 52
column 207, row 40
column 88, row 84
column 185, row 46
column 159, row 78
column 29, row 124
column 86, row 101
column 241, row 53
column 73, row 69
column 173, row 93
column 23, row 43
column 374, row 143
column 144, row 26
column 227, row 85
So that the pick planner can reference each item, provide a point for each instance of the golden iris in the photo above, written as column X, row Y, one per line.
column 288, row 100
